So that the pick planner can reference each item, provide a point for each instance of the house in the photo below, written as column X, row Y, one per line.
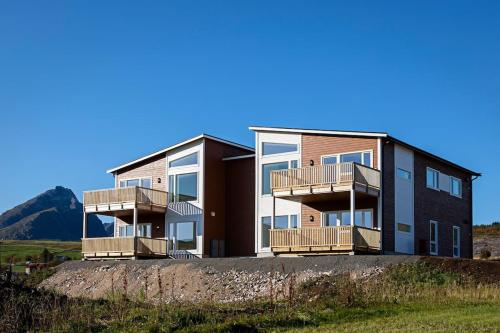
column 326, row 192
column 192, row 199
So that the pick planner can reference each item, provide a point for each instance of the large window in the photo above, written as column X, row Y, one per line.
column 183, row 187
column 433, row 239
column 264, row 231
column 432, row 178
column 271, row 148
column 266, row 174
column 456, row 187
column 362, row 218
column 404, row 174
column 143, row 182
column 456, row 241
column 186, row 236
column 126, row 230
column 143, row 230
column 364, row 158
column 191, row 159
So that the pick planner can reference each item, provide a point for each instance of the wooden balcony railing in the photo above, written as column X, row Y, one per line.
column 127, row 194
column 327, row 174
column 123, row 247
column 321, row 239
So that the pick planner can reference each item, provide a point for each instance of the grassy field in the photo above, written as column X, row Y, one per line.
column 418, row 297
column 21, row 249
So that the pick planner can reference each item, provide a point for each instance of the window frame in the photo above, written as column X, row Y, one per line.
column 197, row 164
column 289, row 163
column 340, row 212
column 433, row 224
column 289, row 226
column 458, row 245
column 459, row 181
column 437, row 178
column 404, row 171
column 405, row 232
column 136, row 178
column 175, row 187
column 362, row 152
column 297, row 151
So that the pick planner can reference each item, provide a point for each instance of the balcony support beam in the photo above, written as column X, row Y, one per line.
column 353, row 205
column 134, row 233
column 84, row 235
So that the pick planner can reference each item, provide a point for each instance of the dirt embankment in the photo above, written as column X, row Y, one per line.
column 220, row 280
column 489, row 242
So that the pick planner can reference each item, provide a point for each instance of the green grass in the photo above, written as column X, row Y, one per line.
column 20, row 249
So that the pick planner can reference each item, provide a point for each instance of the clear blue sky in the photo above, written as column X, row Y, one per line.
column 87, row 85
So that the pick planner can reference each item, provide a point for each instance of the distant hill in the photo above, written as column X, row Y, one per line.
column 55, row 214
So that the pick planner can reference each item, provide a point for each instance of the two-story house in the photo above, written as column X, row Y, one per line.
column 320, row 192
column 194, row 198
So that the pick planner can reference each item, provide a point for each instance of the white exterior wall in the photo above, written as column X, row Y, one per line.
column 187, row 211
column 404, row 205
column 264, row 203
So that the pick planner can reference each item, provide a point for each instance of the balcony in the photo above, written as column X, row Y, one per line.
column 341, row 239
column 123, row 247
column 297, row 184
column 111, row 201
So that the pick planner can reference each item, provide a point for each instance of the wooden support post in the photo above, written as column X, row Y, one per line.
column 353, row 206
column 134, row 233
column 84, row 225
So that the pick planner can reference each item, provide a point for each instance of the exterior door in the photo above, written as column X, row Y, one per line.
column 403, row 183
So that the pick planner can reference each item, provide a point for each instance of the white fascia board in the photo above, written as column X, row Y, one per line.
column 201, row 136
column 238, row 157
column 312, row 131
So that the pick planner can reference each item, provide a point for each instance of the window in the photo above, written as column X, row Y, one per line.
column 191, row 159
column 294, row 221
column 126, row 230
column 143, row 182
column 271, row 148
column 456, row 187
column 456, row 241
column 364, row 158
column 432, row 178
column 281, row 222
column 403, row 227
column 294, row 164
column 144, row 230
column 264, row 232
column 185, row 237
column 183, row 187
column 362, row 218
column 433, row 238
column 266, row 174
column 404, row 174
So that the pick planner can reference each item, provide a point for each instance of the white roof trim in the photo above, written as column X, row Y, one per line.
column 314, row 131
column 201, row 136
column 238, row 157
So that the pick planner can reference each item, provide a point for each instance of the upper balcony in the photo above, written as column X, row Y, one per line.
column 298, row 184
column 112, row 201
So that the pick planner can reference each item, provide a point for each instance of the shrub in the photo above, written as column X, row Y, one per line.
column 485, row 253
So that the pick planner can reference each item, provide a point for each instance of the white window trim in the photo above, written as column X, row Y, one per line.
column 436, row 242
column 145, row 224
column 299, row 225
column 337, row 155
column 451, row 186
column 134, row 178
column 197, row 164
column 347, row 211
column 426, row 183
column 278, row 154
column 174, row 175
column 261, row 187
column 404, row 170
column 458, row 244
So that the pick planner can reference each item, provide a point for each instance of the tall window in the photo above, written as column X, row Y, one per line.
column 456, row 241
column 266, row 174
column 191, row 159
column 432, row 178
column 183, row 187
column 186, row 236
column 142, row 182
column 271, row 148
column 433, row 239
column 264, row 232
column 363, row 158
column 456, row 187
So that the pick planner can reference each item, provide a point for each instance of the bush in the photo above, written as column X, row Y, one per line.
column 485, row 253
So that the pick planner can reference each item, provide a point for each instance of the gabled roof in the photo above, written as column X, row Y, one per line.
column 358, row 134
column 177, row 145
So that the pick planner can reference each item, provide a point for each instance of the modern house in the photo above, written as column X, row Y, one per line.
column 194, row 198
column 301, row 192
column 326, row 192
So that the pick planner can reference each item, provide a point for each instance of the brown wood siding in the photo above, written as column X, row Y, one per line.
column 388, row 201
column 154, row 167
column 157, row 222
column 315, row 146
column 442, row 207
column 240, row 207
column 215, row 191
